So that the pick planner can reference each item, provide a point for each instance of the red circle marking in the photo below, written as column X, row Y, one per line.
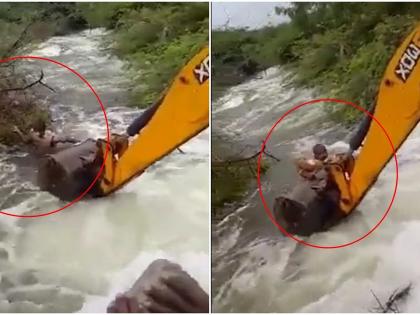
column 107, row 130
column 267, row 209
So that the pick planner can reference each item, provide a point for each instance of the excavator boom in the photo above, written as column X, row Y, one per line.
column 397, row 110
column 182, row 114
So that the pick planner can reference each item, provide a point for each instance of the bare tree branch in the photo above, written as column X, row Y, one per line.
column 39, row 81
column 245, row 159
column 271, row 156
column 378, row 301
column 227, row 23
column 391, row 304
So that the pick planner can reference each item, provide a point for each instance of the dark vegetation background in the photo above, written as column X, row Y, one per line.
column 342, row 49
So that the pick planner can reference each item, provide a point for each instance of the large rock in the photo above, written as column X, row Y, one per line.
column 69, row 173
column 305, row 211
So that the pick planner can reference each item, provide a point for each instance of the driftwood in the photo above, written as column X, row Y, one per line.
column 390, row 305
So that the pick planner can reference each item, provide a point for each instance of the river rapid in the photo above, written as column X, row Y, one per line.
column 256, row 269
column 78, row 259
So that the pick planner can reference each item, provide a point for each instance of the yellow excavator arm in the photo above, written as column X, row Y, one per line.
column 182, row 114
column 398, row 111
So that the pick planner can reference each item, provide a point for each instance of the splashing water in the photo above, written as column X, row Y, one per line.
column 79, row 258
column 256, row 269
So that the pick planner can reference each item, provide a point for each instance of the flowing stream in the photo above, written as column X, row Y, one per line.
column 80, row 258
column 257, row 269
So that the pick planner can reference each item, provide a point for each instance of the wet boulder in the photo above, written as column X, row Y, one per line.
column 304, row 211
column 4, row 254
column 68, row 173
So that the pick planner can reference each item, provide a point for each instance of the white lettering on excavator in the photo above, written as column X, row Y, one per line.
column 407, row 62
column 202, row 71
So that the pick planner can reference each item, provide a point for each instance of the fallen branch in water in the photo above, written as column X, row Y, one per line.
column 245, row 159
column 39, row 81
column 391, row 304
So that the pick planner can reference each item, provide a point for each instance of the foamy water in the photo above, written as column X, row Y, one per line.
column 78, row 259
column 256, row 269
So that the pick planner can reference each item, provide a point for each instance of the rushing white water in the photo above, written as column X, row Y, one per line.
column 79, row 258
column 256, row 269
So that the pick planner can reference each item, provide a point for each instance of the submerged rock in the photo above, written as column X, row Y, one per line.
column 5, row 283
column 28, row 278
column 4, row 254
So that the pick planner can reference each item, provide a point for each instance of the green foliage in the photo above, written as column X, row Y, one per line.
column 230, row 183
column 8, row 33
column 155, row 38
column 100, row 14
column 24, row 23
column 342, row 49
column 138, row 36
column 160, row 63
column 21, row 24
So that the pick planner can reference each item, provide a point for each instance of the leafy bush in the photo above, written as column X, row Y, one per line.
column 155, row 38
column 342, row 49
